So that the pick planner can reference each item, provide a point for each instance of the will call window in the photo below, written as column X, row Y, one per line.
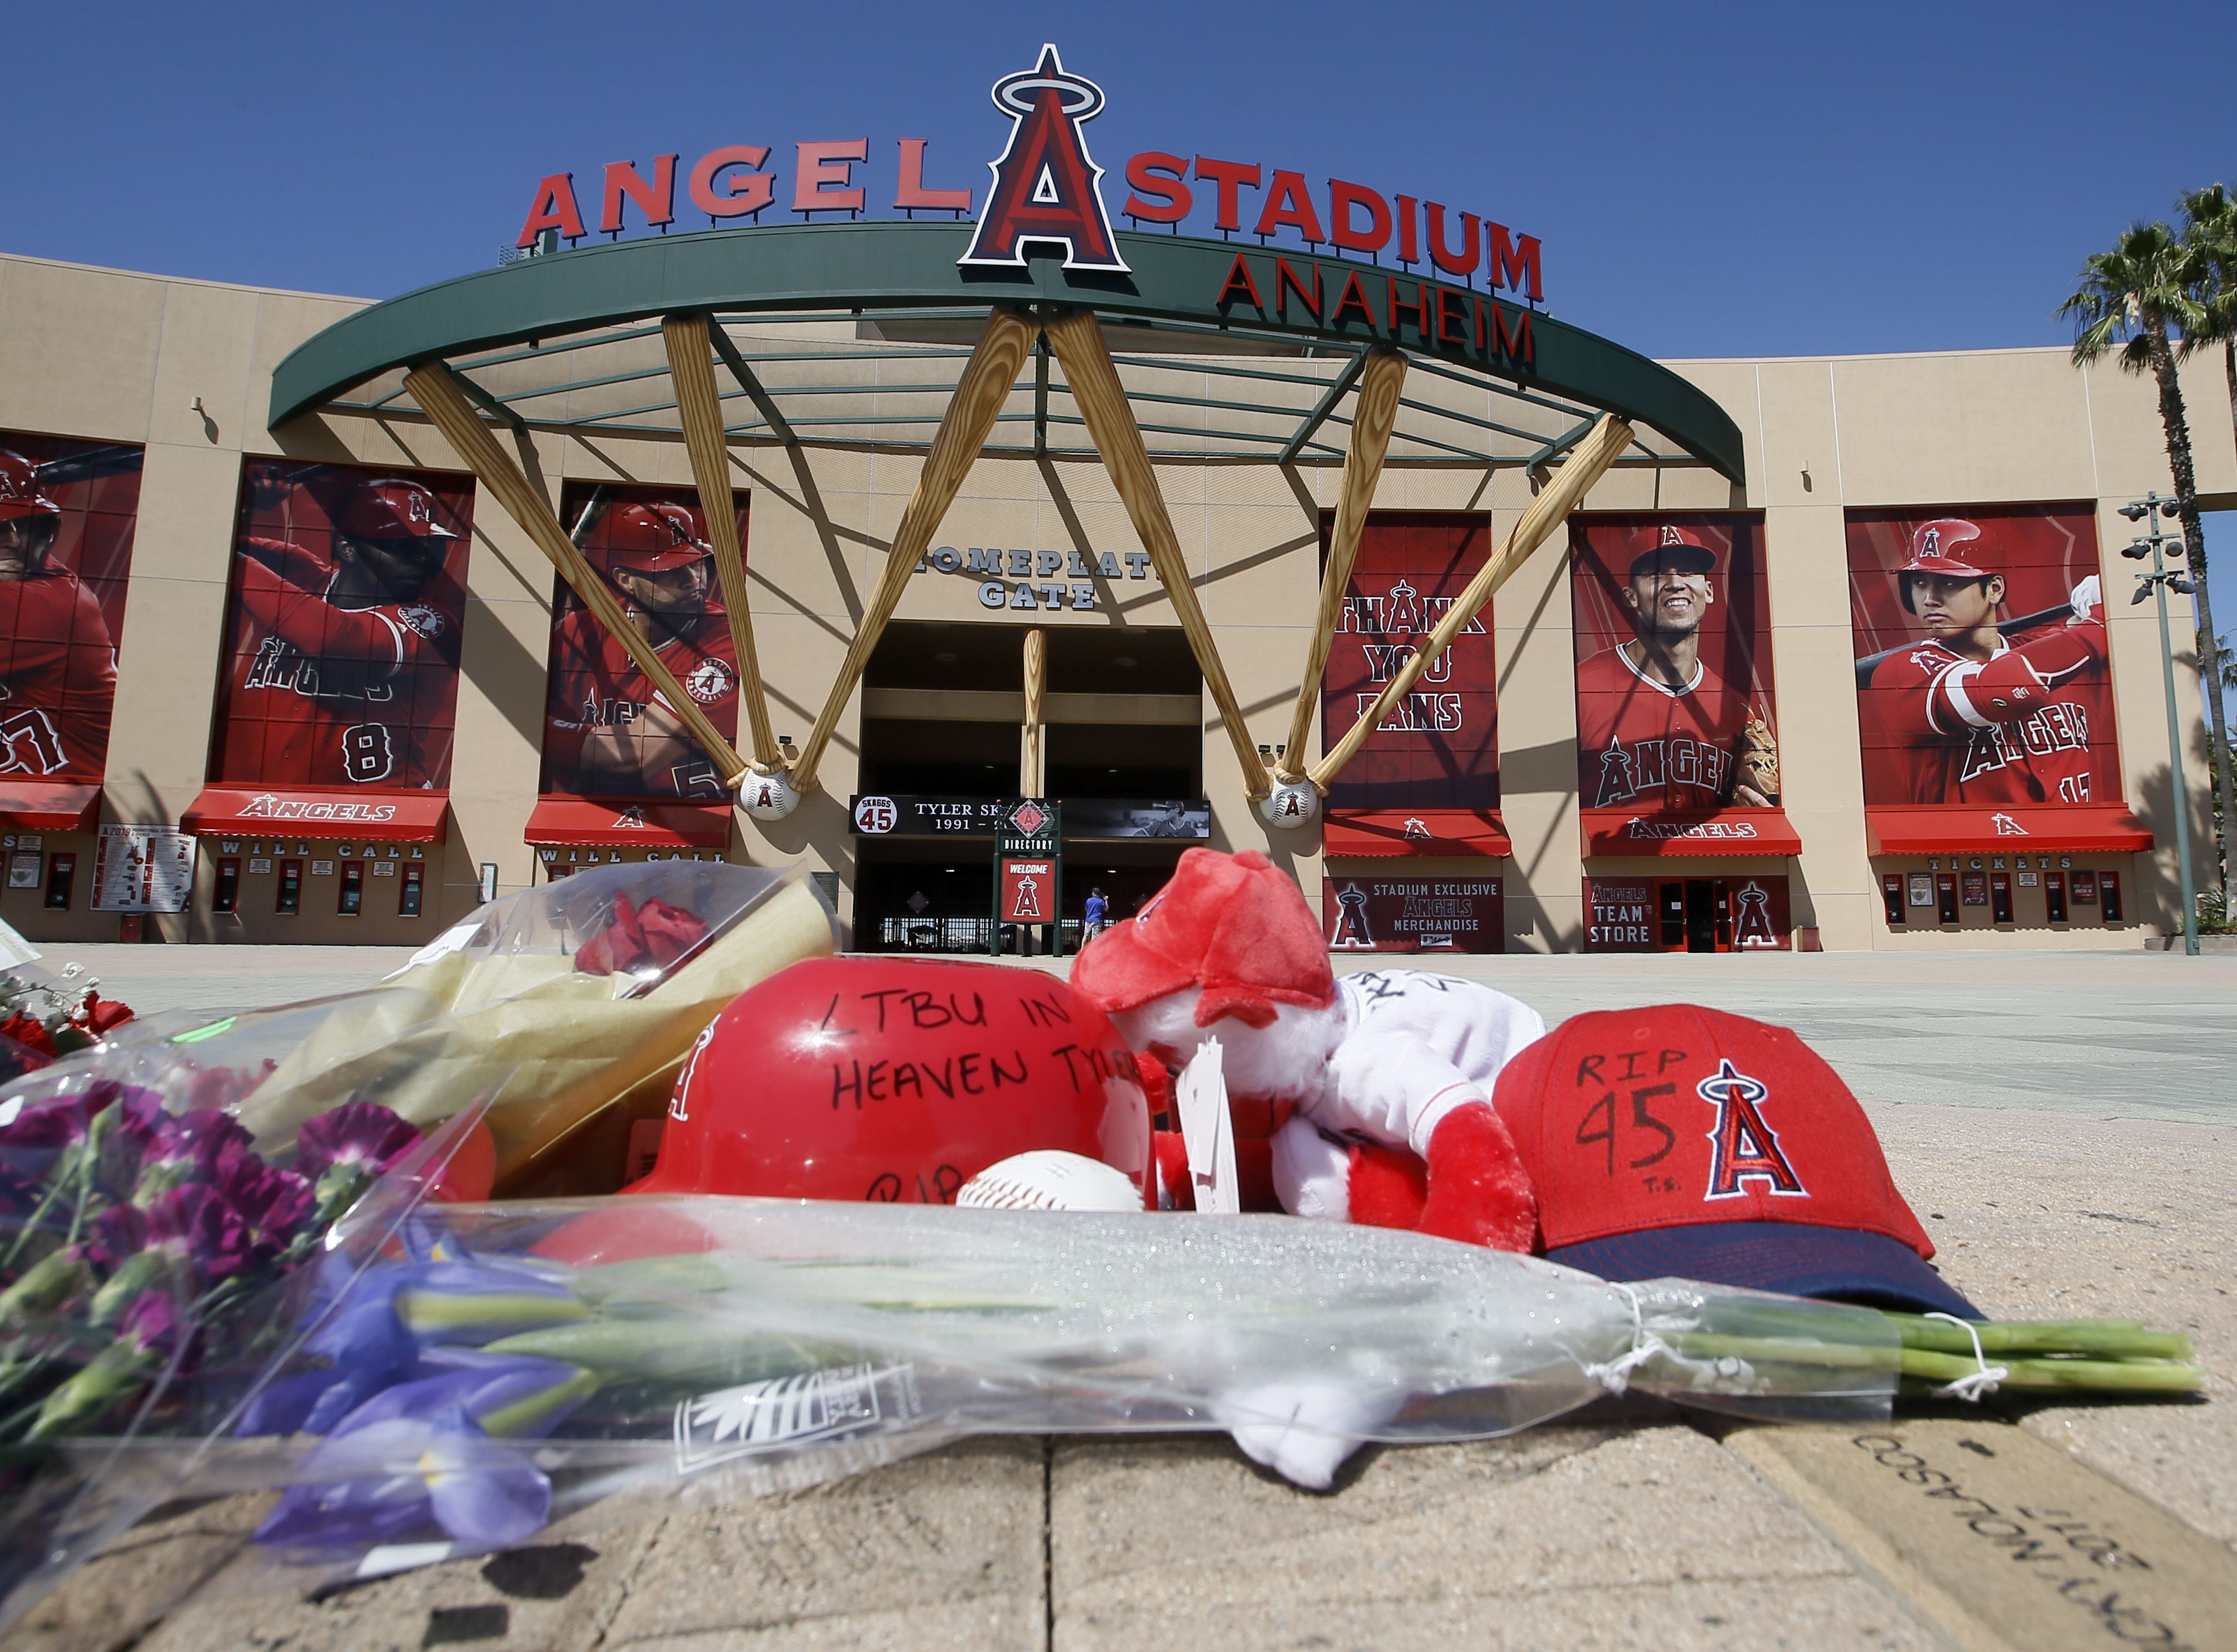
column 352, row 899
column 290, row 898
column 225, row 896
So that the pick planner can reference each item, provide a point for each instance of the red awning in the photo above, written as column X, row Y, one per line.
column 2091, row 829
column 1720, row 831
column 620, row 824
column 48, row 806
column 376, row 816
column 1415, row 831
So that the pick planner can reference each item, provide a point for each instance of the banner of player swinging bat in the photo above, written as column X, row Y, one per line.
column 1673, row 628
column 348, row 596
column 1438, row 749
column 67, row 510
column 1981, row 658
column 606, row 734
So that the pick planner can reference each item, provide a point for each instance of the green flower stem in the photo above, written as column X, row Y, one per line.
column 426, row 1313
column 525, row 1414
column 653, row 1348
column 2119, row 1338
column 2108, row 1376
column 1842, row 1355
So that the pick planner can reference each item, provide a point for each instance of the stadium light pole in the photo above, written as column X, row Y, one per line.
column 2147, row 510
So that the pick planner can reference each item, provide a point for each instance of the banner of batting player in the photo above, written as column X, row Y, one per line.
column 1437, row 754
column 67, row 510
column 1673, row 629
column 348, row 593
column 606, row 732
column 1982, row 677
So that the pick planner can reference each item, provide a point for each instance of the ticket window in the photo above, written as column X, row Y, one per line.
column 1945, row 897
column 2053, row 895
column 289, row 899
column 2082, row 890
column 2000, row 897
column 350, row 901
column 1672, row 906
column 1891, row 896
column 407, row 897
column 62, row 873
column 225, row 895
column 2108, row 896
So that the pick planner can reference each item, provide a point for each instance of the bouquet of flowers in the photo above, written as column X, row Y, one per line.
column 44, row 1016
column 517, row 1361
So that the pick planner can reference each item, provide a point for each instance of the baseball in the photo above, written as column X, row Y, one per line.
column 768, row 797
column 1292, row 802
column 1045, row 1180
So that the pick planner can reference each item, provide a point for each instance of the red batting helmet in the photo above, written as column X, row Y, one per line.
column 392, row 508
column 1934, row 549
column 1667, row 545
column 649, row 539
column 896, row 1080
column 19, row 489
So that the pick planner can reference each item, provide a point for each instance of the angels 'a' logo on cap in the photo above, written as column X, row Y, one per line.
column 1930, row 543
column 1743, row 1145
column 1671, row 536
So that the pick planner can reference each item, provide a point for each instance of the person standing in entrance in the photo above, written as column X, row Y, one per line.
column 1099, row 912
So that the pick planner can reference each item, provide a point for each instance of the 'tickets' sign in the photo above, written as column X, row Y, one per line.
column 1438, row 748
column 1413, row 914
column 1028, row 891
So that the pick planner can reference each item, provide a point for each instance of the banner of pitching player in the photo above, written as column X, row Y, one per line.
column 348, row 594
column 1439, row 747
column 606, row 732
column 67, row 510
column 1673, row 628
column 1981, row 658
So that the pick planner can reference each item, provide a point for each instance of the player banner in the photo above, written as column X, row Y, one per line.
column 67, row 512
column 1981, row 674
column 1426, row 781
column 1413, row 914
column 606, row 732
column 1675, row 724
column 348, row 596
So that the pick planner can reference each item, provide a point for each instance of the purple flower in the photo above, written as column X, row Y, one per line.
column 374, row 1332
column 359, row 1134
column 272, row 1202
column 140, row 1131
column 32, row 1142
column 195, row 1232
column 429, row 1451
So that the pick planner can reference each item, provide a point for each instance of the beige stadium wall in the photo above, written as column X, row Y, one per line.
column 110, row 355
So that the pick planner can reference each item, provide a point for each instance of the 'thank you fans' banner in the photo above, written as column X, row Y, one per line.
column 341, row 673
column 607, row 733
column 1426, row 782
column 67, row 512
column 1983, row 683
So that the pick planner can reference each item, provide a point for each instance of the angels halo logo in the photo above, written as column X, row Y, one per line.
column 1028, row 818
column 1046, row 187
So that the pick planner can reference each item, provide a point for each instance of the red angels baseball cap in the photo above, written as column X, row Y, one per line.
column 1683, row 1141
column 19, row 489
column 1668, row 546
column 1235, row 925
column 651, row 538
column 392, row 508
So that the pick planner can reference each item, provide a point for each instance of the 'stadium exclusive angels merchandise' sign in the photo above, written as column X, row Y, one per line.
column 67, row 512
column 340, row 681
column 1426, row 782
column 620, row 768
column 1983, row 682
column 1380, row 914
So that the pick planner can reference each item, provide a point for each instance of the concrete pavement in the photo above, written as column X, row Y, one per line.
column 2064, row 1124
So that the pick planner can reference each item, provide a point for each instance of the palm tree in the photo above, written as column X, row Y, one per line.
column 2135, row 303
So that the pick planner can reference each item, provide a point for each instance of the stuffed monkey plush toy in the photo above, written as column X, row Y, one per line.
column 1365, row 1100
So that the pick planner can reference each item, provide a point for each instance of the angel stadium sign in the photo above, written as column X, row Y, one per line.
column 1047, row 192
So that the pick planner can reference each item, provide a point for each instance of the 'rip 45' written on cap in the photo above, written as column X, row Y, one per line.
column 1680, row 1140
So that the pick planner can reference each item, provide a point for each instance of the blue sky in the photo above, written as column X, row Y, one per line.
column 1706, row 179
